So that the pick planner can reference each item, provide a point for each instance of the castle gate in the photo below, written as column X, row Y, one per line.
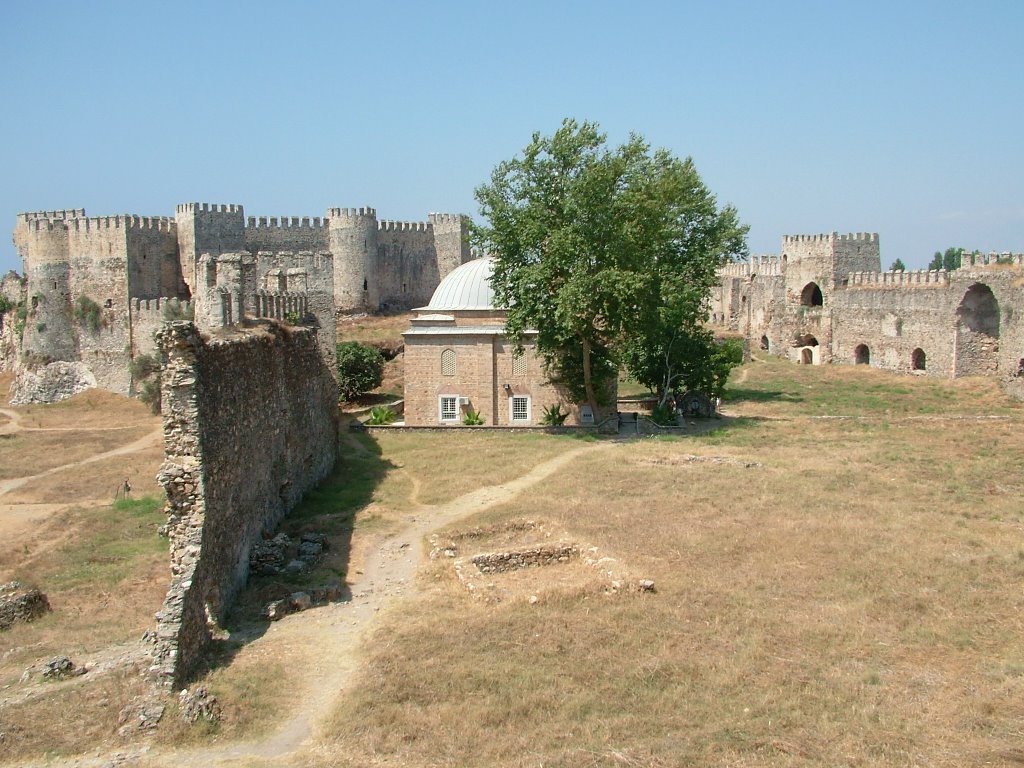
column 977, row 332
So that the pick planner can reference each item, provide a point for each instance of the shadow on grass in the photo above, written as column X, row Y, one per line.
column 331, row 509
column 741, row 394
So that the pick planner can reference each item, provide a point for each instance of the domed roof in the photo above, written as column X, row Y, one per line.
column 466, row 287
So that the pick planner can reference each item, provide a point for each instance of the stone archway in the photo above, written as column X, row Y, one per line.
column 807, row 356
column 862, row 355
column 811, row 295
column 918, row 360
column 766, row 344
column 977, row 332
column 809, row 352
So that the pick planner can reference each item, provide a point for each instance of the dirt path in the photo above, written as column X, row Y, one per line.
column 153, row 438
column 334, row 630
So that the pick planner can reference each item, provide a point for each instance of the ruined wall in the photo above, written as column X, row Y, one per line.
column 207, row 228
column 250, row 425
column 406, row 267
column 291, row 234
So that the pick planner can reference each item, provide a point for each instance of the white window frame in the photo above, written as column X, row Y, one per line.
column 512, row 413
column 440, row 408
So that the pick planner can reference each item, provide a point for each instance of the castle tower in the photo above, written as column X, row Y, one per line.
column 451, row 238
column 352, row 234
column 207, row 228
column 49, row 330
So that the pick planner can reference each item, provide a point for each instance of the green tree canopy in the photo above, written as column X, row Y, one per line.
column 360, row 369
column 898, row 266
column 948, row 261
column 601, row 250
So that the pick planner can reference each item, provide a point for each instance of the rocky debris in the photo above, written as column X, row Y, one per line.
column 52, row 382
column 18, row 603
column 675, row 461
column 141, row 714
column 282, row 554
column 645, row 585
column 60, row 667
column 301, row 601
column 199, row 704
column 499, row 562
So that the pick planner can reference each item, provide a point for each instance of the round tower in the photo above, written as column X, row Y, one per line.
column 352, row 234
column 49, row 329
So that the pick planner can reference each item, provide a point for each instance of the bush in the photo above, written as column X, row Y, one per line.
column 664, row 415
column 553, row 415
column 473, row 419
column 360, row 369
column 5, row 304
column 143, row 366
column 88, row 313
column 149, row 393
column 380, row 415
column 174, row 311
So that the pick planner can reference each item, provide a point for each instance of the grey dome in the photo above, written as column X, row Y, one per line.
column 466, row 287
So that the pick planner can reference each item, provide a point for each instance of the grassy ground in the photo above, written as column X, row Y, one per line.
column 830, row 591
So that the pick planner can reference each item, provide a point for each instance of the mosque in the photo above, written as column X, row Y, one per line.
column 458, row 360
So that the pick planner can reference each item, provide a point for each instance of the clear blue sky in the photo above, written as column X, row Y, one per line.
column 903, row 118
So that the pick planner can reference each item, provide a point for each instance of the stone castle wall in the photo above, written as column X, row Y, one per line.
column 961, row 323
column 250, row 425
column 346, row 261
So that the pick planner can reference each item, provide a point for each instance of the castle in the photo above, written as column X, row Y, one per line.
column 97, row 288
column 824, row 299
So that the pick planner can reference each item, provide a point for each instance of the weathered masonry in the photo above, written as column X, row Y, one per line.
column 96, row 288
column 824, row 299
column 250, row 425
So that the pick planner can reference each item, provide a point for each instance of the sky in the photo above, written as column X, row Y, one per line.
column 902, row 118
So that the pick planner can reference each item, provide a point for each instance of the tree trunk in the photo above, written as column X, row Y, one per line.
column 588, row 381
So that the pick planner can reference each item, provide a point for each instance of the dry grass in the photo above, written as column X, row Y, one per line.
column 853, row 598
column 374, row 328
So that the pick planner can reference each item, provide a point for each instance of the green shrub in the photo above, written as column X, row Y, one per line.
column 149, row 393
column 360, row 369
column 143, row 366
column 174, row 311
column 20, row 317
column 88, row 313
column 5, row 304
column 664, row 415
column 380, row 415
column 553, row 416
column 473, row 419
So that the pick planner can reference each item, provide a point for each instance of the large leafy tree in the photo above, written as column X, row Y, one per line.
column 609, row 253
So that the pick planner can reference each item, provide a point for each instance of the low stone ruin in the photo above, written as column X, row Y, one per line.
column 300, row 601
column 19, row 603
column 500, row 562
column 281, row 554
column 198, row 704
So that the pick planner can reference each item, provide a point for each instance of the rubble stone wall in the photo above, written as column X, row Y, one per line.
column 250, row 425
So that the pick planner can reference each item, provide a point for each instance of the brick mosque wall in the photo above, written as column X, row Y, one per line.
column 250, row 425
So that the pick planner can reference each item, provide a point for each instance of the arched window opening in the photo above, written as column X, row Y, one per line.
column 765, row 344
column 918, row 359
column 811, row 296
column 806, row 340
column 448, row 362
column 979, row 311
column 862, row 355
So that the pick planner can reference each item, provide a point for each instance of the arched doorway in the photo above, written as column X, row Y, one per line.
column 811, row 296
column 765, row 344
column 918, row 360
column 862, row 355
column 977, row 332
column 808, row 345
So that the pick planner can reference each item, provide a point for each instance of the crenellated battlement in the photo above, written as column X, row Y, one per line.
column 208, row 208
column 991, row 259
column 404, row 226
column 45, row 225
column 446, row 218
column 920, row 277
column 64, row 215
column 161, row 223
column 140, row 307
column 766, row 264
column 351, row 213
column 831, row 237
column 286, row 222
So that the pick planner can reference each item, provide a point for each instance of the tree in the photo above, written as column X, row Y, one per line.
column 360, row 369
column 603, row 250
column 898, row 266
column 948, row 261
